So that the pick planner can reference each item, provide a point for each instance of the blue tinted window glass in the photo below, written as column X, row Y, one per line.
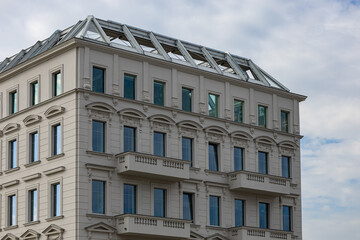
column 129, row 139
column 262, row 110
column 213, row 157
column 56, row 199
column 187, row 206
column 159, row 202
column 159, row 92
column 34, row 93
column 56, row 139
column 129, row 86
column 98, row 136
column 13, row 154
column 239, row 212
column 57, row 84
column 98, row 79
column 286, row 218
column 213, row 105
column 159, row 144
column 187, row 149
column 238, row 111
column 186, row 99
column 12, row 210
column 13, row 102
column 263, row 165
column 285, row 166
column 263, row 215
column 214, row 211
column 98, row 197
column 34, row 147
column 129, row 198
column 33, row 205
column 284, row 121
column 238, row 159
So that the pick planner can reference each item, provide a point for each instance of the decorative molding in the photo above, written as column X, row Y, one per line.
column 9, row 236
column 11, row 127
column 101, row 227
column 53, row 111
column 30, row 234
column 31, row 177
column 215, row 133
column 11, row 183
column 100, row 110
column 54, row 170
column 53, row 232
column 130, row 116
column 161, row 122
column 31, row 119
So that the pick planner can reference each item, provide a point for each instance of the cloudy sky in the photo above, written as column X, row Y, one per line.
column 312, row 47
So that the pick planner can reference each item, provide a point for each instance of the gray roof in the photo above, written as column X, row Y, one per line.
column 145, row 42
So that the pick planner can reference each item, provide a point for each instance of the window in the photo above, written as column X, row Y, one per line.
column 34, row 144
column 12, row 154
column 33, row 205
column 238, row 158
column 213, row 105
column 129, row 86
column 213, row 157
column 186, row 99
column 55, row 200
column 286, row 218
column 159, row 93
column 238, row 110
column 56, row 139
column 262, row 119
column 188, row 213
column 285, row 166
column 13, row 102
column 129, row 139
column 159, row 144
column 214, row 211
column 159, row 202
column 263, row 215
column 187, row 149
column 98, row 197
column 98, row 79
column 239, row 212
column 284, row 121
column 98, row 136
column 56, row 83
column 263, row 162
column 129, row 198
column 34, row 93
column 12, row 210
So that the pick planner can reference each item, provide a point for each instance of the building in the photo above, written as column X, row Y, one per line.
column 112, row 132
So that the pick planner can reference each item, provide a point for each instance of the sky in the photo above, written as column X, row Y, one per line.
column 312, row 47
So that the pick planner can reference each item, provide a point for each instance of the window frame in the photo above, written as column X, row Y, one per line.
column 10, row 149
column 217, row 104
column 51, row 209
column 191, row 98
column 28, row 203
column 289, row 162
column 9, row 213
column 54, row 139
column 164, row 92
column 218, row 154
column 134, row 83
column 30, row 92
column 266, row 115
column 164, row 143
column 192, row 206
column 135, row 197
column 165, row 200
column 104, row 136
column 267, row 162
column 34, row 97
column 96, row 66
column 134, row 137
column 242, row 158
column 219, row 210
column 31, row 152
column 287, row 130
column 104, row 196
column 52, row 73
column 290, row 217
column 242, row 109
column 191, row 150
column 13, row 102
column 267, row 214
column 243, row 212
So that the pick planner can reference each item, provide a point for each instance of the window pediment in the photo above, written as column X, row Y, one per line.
column 10, row 236
column 54, row 110
column 217, row 236
column 11, row 127
column 194, row 235
column 100, row 110
column 240, row 138
column 161, row 122
column 190, row 128
column 31, row 119
column 264, row 143
column 53, row 230
column 100, row 227
column 215, row 133
column 30, row 234
column 131, row 117
column 287, row 148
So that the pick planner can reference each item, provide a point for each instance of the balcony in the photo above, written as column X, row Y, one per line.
column 140, row 226
column 259, row 183
column 150, row 166
column 252, row 233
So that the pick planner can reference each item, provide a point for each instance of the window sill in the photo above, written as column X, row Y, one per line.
column 104, row 154
column 11, row 170
column 31, row 223
column 32, row 164
column 55, row 157
column 54, row 218
column 10, row 227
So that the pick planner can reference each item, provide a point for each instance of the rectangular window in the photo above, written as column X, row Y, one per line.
column 263, row 162
column 56, row 139
column 159, row 202
column 214, row 211
column 186, row 99
column 129, row 139
column 187, row 149
column 262, row 118
column 213, row 157
column 33, row 205
column 238, row 158
column 12, row 210
column 13, row 102
column 159, row 144
column 56, row 84
column 238, row 110
column 12, row 154
column 98, row 79
column 286, row 218
column 188, row 213
column 285, row 166
column 34, row 144
column 239, row 212
column 284, row 121
column 98, row 136
column 213, row 105
column 98, row 197
column 263, row 215
column 55, row 200
column 159, row 93
column 34, row 93
column 129, row 198
column 129, row 86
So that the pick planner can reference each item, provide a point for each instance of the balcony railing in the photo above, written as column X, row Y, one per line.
column 150, row 166
column 257, row 182
column 149, row 226
column 252, row 233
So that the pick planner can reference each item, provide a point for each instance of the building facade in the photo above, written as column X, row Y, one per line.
column 112, row 132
